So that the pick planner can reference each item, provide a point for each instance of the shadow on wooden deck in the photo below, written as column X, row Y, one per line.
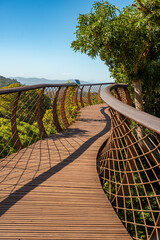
column 51, row 190
column 15, row 196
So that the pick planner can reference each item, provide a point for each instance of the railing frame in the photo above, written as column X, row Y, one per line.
column 120, row 106
column 130, row 112
column 63, row 105
column 16, row 139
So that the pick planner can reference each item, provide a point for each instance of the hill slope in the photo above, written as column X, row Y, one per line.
column 6, row 81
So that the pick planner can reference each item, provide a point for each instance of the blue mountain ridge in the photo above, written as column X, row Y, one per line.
column 34, row 81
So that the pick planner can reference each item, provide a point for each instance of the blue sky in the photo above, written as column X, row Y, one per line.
column 35, row 39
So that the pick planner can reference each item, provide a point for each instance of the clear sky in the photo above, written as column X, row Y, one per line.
column 35, row 39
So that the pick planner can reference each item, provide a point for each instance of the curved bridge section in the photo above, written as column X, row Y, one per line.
column 129, row 165
column 49, row 184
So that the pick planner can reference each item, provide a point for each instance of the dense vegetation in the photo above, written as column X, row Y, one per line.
column 128, row 42
column 6, row 81
column 26, row 116
column 26, row 119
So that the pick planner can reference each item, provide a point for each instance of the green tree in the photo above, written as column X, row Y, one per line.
column 26, row 118
column 27, row 133
column 48, row 122
column 27, row 104
column 127, row 41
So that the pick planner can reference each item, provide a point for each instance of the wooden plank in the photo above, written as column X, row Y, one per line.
column 51, row 190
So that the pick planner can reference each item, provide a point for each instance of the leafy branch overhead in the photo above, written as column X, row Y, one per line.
column 127, row 40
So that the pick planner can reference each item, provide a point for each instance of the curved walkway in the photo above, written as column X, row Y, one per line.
column 51, row 190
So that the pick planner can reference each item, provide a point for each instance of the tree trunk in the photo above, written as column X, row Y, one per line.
column 145, row 144
column 138, row 104
column 138, row 94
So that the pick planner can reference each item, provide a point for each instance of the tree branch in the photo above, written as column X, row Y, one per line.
column 143, row 56
column 143, row 7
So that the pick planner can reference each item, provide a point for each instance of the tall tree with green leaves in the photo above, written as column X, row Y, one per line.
column 127, row 41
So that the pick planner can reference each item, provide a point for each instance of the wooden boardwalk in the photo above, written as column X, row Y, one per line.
column 51, row 190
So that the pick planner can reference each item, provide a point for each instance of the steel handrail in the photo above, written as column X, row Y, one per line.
column 95, row 84
column 128, row 164
column 143, row 118
column 38, row 86
column 33, row 87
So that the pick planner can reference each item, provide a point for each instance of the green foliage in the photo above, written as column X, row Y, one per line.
column 136, row 200
column 26, row 117
column 109, row 187
column 6, row 101
column 72, row 106
column 6, row 142
column 127, row 41
column 28, row 134
column 48, row 122
column 94, row 97
column 26, row 106
column 7, row 81
column 151, row 88
column 117, row 37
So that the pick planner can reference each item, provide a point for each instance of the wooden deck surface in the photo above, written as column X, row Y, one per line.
column 51, row 190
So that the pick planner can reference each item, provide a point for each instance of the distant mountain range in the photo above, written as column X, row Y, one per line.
column 34, row 81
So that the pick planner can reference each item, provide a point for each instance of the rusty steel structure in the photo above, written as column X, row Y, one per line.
column 128, row 164
column 38, row 111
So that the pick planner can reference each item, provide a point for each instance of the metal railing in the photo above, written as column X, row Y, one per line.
column 31, row 113
column 128, row 164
